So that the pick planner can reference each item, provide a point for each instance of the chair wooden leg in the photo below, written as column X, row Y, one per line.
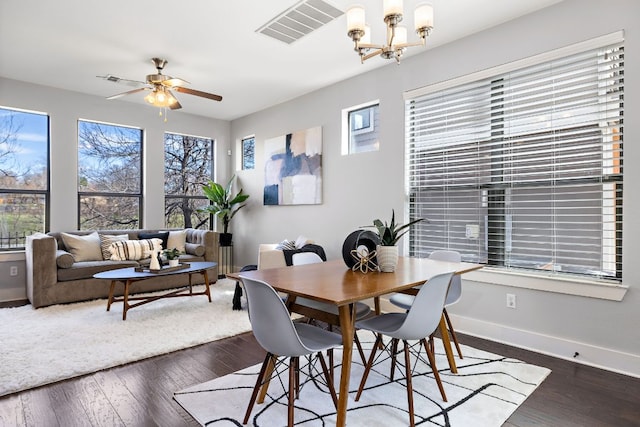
column 296, row 370
column 357, row 341
column 329, row 379
column 368, row 366
column 292, row 379
column 394, row 351
column 407, row 362
column 434, row 368
column 452, row 332
column 256, row 388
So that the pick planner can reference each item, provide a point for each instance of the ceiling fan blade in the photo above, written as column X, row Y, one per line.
column 175, row 82
column 197, row 93
column 130, row 92
column 176, row 105
column 116, row 79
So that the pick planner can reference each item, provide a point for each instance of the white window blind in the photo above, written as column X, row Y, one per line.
column 523, row 169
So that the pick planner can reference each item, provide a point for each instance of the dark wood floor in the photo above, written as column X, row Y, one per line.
column 141, row 394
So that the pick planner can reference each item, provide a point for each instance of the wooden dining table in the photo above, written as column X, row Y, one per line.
column 334, row 283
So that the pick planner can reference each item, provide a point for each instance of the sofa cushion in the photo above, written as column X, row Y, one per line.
column 86, row 269
column 64, row 259
column 107, row 239
column 177, row 239
column 83, row 248
column 194, row 249
column 134, row 249
column 162, row 235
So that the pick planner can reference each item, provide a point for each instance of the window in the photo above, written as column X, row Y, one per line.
column 249, row 153
column 24, row 176
column 188, row 164
column 109, row 176
column 523, row 169
column 360, row 133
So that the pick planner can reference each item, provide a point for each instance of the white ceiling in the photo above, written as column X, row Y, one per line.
column 212, row 44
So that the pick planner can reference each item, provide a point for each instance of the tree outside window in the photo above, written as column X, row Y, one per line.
column 249, row 153
column 188, row 167
column 24, row 176
column 109, row 176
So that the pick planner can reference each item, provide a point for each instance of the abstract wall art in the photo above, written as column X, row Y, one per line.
column 293, row 168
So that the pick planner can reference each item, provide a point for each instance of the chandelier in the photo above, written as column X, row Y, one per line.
column 396, row 42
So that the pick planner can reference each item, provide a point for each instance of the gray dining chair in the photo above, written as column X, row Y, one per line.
column 417, row 324
column 361, row 309
column 282, row 338
column 404, row 301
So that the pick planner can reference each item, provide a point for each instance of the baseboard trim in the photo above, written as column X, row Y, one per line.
column 599, row 357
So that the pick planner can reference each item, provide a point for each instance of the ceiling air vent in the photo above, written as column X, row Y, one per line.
column 299, row 20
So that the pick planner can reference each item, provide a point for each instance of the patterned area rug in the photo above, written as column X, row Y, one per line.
column 486, row 391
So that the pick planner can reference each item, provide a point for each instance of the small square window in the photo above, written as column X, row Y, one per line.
column 361, row 130
column 249, row 153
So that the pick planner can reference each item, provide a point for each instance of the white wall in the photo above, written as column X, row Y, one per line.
column 362, row 187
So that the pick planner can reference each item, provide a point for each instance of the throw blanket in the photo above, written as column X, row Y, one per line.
column 310, row 247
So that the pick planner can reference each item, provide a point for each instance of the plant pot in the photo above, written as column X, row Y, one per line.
column 225, row 239
column 174, row 262
column 387, row 258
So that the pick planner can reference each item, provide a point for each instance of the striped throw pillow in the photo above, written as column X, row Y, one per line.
column 134, row 249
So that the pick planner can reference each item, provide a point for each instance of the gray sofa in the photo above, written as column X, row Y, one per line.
column 55, row 277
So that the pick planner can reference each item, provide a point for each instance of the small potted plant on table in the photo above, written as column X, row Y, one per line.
column 390, row 233
column 172, row 256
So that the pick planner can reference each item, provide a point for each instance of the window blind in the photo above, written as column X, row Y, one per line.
column 523, row 169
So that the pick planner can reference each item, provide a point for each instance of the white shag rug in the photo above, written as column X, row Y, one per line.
column 486, row 391
column 58, row 342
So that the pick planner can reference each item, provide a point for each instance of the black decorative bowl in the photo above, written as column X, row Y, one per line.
column 358, row 239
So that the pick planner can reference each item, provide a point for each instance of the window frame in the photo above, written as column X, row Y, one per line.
column 209, row 223
column 45, row 193
column 349, row 132
column 244, row 163
column 137, row 195
column 586, row 286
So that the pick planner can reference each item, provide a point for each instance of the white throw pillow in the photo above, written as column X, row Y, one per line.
column 177, row 239
column 83, row 248
column 134, row 249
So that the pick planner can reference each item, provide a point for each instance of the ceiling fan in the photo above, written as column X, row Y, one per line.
column 160, row 87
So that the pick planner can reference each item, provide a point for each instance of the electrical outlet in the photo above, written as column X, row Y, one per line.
column 13, row 270
column 511, row 300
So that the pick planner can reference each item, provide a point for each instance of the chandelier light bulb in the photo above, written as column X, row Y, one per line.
column 392, row 7
column 366, row 38
column 355, row 18
column 400, row 35
column 423, row 16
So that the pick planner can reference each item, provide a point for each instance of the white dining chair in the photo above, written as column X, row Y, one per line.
column 282, row 338
column 416, row 324
column 404, row 301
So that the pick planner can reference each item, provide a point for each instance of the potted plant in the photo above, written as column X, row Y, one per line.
column 224, row 205
column 389, row 234
column 172, row 255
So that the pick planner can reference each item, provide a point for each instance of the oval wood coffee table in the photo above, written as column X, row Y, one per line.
column 129, row 275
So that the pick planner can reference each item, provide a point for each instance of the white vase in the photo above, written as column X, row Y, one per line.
column 387, row 258
column 174, row 262
column 154, row 264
